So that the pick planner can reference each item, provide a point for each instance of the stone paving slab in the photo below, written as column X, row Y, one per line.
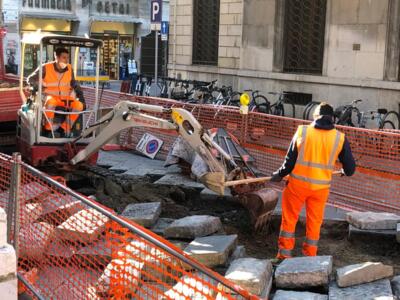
column 84, row 226
column 295, row 295
column 177, row 179
column 303, row 272
column 29, row 192
column 212, row 250
column 63, row 207
column 193, row 226
column 207, row 194
column 362, row 273
column 373, row 220
column 161, row 224
column 133, row 164
column 145, row 214
column 100, row 248
column 355, row 232
column 240, row 252
column 3, row 228
column 35, row 239
column 250, row 273
column 8, row 259
column 192, row 288
column 380, row 289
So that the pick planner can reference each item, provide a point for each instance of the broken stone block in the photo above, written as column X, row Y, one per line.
column 304, row 272
column 267, row 290
column 35, row 239
column 380, row 289
column 9, row 288
column 97, row 250
column 396, row 286
column 3, row 228
column 294, row 295
column 356, row 233
column 177, row 179
column 212, row 250
column 180, row 244
column 61, row 207
column 150, row 290
column 193, row 287
column 8, row 265
column 30, row 213
column 120, row 274
column 208, row 194
column 239, row 252
column 398, row 233
column 193, row 226
column 362, row 273
column 84, row 226
column 60, row 249
column 373, row 220
column 145, row 214
column 250, row 273
column 161, row 224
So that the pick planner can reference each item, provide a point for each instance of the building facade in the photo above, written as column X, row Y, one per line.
column 121, row 24
column 334, row 50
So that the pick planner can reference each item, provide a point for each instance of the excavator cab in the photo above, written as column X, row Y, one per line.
column 36, row 144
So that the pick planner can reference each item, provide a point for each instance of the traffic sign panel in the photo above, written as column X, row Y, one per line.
column 156, row 11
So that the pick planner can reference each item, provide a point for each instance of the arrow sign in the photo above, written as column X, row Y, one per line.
column 156, row 11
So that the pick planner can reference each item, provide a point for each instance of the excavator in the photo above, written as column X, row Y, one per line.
column 98, row 127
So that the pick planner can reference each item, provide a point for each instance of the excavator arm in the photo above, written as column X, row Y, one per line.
column 127, row 114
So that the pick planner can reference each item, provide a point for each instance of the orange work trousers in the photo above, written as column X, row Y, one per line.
column 71, row 105
column 293, row 199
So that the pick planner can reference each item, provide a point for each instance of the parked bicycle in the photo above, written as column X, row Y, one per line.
column 278, row 108
column 350, row 115
column 258, row 102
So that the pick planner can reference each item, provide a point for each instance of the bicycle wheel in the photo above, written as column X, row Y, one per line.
column 290, row 109
column 387, row 125
column 308, row 109
column 277, row 109
column 262, row 104
column 392, row 117
column 234, row 99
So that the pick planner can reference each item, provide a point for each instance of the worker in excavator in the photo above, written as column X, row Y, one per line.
column 309, row 163
column 62, row 93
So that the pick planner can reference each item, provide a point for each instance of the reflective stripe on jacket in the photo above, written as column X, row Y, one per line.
column 318, row 152
column 56, row 83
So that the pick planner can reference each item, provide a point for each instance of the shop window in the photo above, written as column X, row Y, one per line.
column 205, row 32
column 304, row 35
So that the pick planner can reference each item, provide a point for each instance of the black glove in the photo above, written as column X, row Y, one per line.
column 276, row 177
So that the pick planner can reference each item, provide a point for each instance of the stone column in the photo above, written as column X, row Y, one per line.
column 278, row 37
column 392, row 56
column 8, row 263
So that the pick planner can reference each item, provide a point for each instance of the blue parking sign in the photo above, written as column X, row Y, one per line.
column 156, row 11
column 164, row 27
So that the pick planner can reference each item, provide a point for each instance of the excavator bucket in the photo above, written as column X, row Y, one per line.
column 215, row 181
column 260, row 204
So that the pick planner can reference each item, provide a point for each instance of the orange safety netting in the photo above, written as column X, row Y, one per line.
column 375, row 186
column 70, row 247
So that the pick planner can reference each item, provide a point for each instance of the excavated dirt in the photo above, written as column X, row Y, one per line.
column 117, row 191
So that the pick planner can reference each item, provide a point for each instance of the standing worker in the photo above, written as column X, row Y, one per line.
column 61, row 90
column 309, row 163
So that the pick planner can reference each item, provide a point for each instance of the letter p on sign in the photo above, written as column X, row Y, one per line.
column 156, row 11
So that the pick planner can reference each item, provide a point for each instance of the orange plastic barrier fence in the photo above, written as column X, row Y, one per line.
column 375, row 186
column 70, row 247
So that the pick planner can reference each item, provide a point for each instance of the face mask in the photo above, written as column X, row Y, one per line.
column 62, row 65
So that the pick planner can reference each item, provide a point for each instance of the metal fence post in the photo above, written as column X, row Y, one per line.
column 14, row 198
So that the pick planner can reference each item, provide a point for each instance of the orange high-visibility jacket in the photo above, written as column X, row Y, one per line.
column 318, row 150
column 56, row 83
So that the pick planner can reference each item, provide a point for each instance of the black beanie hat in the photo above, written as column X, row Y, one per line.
column 324, row 109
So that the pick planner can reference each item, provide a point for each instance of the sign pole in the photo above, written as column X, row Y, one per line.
column 156, row 55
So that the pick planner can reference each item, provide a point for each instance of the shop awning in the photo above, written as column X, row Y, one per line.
column 53, row 16
column 120, row 19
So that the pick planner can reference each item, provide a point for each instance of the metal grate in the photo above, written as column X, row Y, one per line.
column 304, row 36
column 205, row 32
